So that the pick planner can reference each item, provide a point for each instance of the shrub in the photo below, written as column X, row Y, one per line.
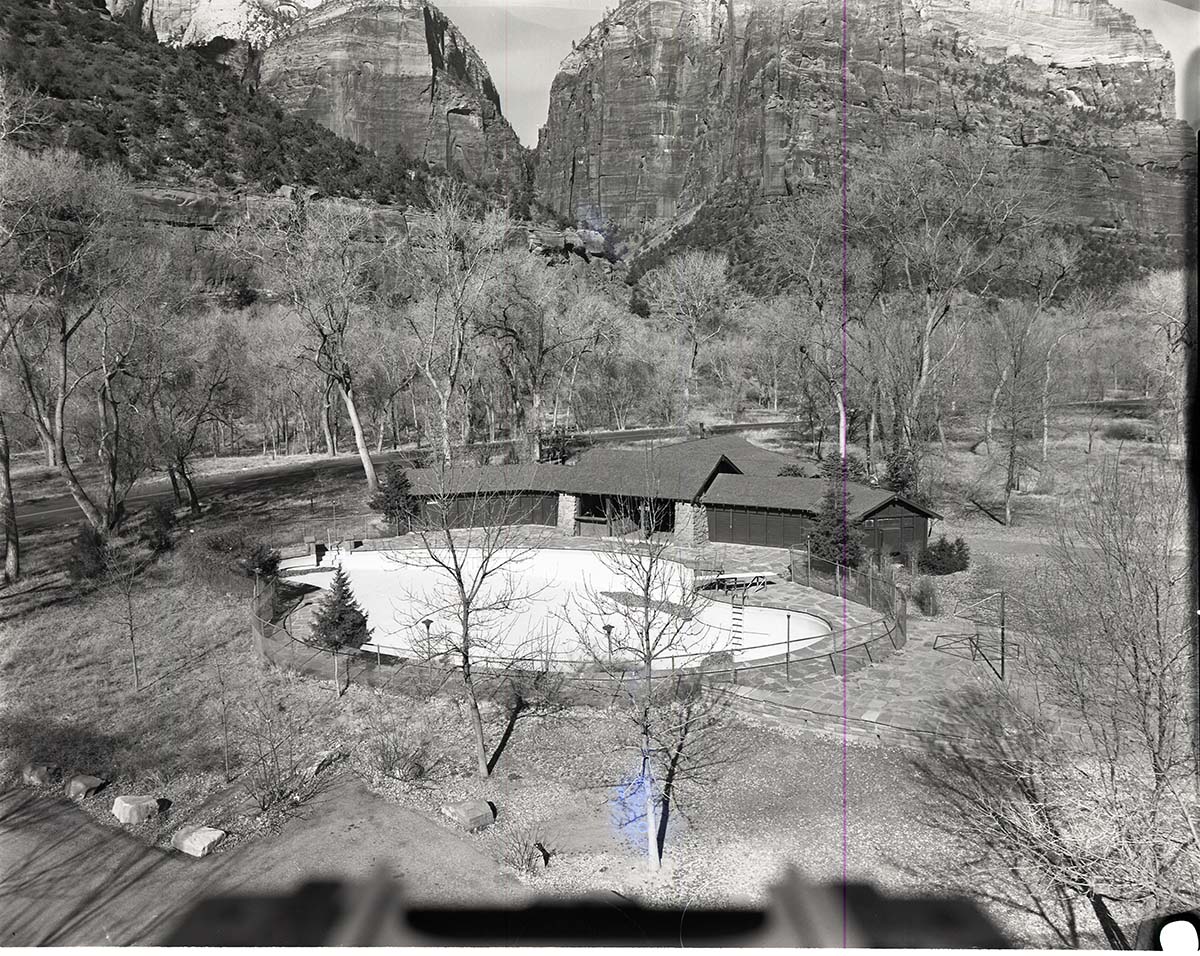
column 945, row 557
column 1125, row 431
column 924, row 594
column 269, row 729
column 393, row 750
column 88, row 558
column 227, row 560
column 157, row 527
column 525, row 849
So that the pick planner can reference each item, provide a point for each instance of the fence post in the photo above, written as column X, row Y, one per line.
column 808, row 563
column 870, row 590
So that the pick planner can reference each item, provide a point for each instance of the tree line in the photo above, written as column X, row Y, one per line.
column 935, row 297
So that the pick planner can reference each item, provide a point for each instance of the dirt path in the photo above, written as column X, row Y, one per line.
column 67, row 880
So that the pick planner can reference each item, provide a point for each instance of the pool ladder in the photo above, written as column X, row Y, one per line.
column 735, row 630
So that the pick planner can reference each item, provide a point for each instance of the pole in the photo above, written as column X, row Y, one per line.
column 787, row 660
column 808, row 563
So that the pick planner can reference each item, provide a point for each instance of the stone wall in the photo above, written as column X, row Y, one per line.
column 566, row 514
column 691, row 523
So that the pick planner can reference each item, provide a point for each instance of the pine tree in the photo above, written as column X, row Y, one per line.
column 395, row 498
column 834, row 536
column 340, row 622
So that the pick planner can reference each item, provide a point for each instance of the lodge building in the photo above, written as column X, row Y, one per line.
column 721, row 490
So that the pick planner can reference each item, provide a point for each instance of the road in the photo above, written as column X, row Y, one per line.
column 62, row 509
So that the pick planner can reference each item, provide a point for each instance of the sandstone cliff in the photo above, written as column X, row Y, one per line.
column 395, row 74
column 381, row 73
column 665, row 100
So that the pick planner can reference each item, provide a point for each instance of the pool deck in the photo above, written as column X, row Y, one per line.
column 894, row 701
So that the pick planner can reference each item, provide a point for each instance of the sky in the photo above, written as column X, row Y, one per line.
column 523, row 41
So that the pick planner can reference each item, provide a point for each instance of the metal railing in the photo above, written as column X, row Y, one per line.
column 873, row 640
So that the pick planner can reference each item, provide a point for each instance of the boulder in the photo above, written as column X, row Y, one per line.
column 323, row 761
column 83, row 785
column 197, row 840
column 471, row 814
column 36, row 775
column 132, row 809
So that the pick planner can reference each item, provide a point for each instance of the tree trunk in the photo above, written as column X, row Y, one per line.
column 86, row 505
column 360, row 439
column 193, row 498
column 651, row 827
column 174, row 483
column 12, row 544
column 872, row 426
column 841, row 407
column 535, row 432
column 476, row 719
column 447, row 448
column 1112, row 929
column 989, row 423
column 326, row 410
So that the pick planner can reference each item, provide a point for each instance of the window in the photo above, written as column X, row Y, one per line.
column 591, row 506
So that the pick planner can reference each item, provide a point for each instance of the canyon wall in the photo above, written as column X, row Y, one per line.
column 386, row 74
column 665, row 100
column 394, row 75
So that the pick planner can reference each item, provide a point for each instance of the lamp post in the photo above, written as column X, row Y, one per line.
column 608, row 629
column 428, row 622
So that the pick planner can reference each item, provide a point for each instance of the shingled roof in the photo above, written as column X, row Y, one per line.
column 487, row 479
column 750, row 459
column 798, row 494
column 643, row 473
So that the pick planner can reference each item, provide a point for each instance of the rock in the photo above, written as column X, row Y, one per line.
column 659, row 109
column 197, row 840
column 387, row 75
column 323, row 761
column 83, row 785
column 36, row 775
column 131, row 809
column 471, row 815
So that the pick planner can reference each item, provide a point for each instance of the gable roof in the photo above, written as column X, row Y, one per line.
column 799, row 494
column 643, row 473
column 749, row 458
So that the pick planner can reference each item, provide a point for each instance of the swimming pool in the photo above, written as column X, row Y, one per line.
column 542, row 600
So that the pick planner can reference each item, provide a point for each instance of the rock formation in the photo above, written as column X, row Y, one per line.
column 665, row 100
column 395, row 74
column 382, row 73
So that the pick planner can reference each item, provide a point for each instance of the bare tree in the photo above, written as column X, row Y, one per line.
column 324, row 255
column 937, row 220
column 1073, row 787
column 690, row 297
column 122, row 572
column 457, row 264
column 476, row 543
column 543, row 322
column 638, row 619
column 190, row 381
